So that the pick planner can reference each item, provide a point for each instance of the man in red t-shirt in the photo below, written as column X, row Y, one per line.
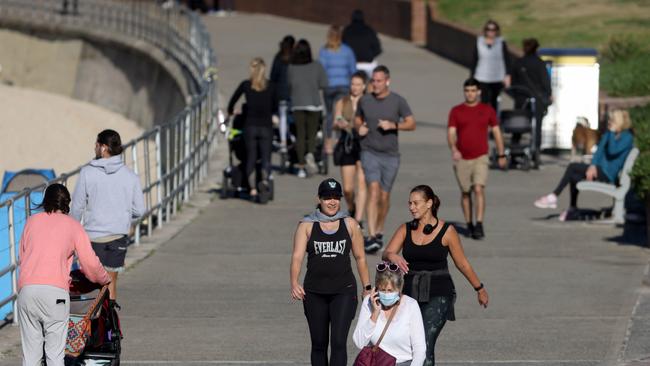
column 467, row 135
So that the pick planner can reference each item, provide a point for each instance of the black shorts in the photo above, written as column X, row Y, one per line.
column 347, row 151
column 112, row 253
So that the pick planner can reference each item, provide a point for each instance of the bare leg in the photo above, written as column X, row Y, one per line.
column 362, row 192
column 347, row 175
column 466, row 203
column 373, row 207
column 479, row 194
column 384, row 206
column 112, row 287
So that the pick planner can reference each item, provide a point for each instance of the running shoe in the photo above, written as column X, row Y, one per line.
column 478, row 232
column 371, row 245
column 302, row 173
column 379, row 238
column 547, row 201
column 470, row 230
column 312, row 167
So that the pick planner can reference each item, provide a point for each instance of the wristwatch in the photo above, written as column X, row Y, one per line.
column 367, row 287
column 477, row 289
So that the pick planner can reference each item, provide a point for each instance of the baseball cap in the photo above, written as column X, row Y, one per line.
column 330, row 187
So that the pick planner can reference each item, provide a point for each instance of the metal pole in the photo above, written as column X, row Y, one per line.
column 147, row 179
column 12, row 257
column 159, row 176
column 134, row 158
column 186, row 180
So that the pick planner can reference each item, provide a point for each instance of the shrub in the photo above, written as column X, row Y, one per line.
column 641, row 171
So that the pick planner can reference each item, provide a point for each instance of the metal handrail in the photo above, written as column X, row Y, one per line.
column 171, row 158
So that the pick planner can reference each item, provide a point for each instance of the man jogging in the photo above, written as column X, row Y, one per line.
column 467, row 135
column 380, row 115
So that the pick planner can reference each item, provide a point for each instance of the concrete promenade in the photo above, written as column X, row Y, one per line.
column 217, row 293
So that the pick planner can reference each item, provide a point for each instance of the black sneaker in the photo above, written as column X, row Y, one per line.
column 379, row 238
column 478, row 231
column 263, row 192
column 470, row 230
column 371, row 245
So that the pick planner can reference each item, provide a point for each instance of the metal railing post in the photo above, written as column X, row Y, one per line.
column 159, row 179
column 134, row 159
column 147, row 179
column 13, row 258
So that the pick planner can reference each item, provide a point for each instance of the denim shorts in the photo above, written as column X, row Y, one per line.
column 380, row 168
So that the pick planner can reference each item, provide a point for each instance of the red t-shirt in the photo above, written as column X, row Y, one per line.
column 472, row 125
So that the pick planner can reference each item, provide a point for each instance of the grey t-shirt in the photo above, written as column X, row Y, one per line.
column 371, row 109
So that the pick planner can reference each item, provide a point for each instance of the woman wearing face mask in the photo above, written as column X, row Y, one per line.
column 329, row 293
column 404, row 337
column 425, row 244
column 606, row 163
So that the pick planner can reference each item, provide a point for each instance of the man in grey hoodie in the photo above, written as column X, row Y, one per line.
column 107, row 197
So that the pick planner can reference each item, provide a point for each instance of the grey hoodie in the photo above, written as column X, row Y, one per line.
column 108, row 196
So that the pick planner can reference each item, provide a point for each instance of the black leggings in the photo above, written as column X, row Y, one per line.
column 434, row 317
column 490, row 93
column 258, row 138
column 573, row 174
column 323, row 311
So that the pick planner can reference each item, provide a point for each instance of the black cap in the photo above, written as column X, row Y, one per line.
column 330, row 187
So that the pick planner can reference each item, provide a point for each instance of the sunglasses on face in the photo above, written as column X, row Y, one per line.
column 490, row 29
column 381, row 267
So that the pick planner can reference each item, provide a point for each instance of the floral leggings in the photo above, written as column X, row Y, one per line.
column 434, row 315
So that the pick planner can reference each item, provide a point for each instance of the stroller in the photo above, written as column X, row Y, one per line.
column 518, row 130
column 94, row 334
column 234, row 182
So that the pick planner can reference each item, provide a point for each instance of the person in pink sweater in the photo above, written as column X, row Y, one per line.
column 47, row 246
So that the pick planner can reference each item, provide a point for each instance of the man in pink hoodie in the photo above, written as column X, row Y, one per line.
column 47, row 246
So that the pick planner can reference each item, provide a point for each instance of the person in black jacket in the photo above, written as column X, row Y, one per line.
column 261, row 104
column 530, row 72
column 364, row 42
column 279, row 72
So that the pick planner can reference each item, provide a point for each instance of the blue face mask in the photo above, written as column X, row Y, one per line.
column 388, row 298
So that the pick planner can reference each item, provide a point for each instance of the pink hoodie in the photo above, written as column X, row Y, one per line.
column 47, row 246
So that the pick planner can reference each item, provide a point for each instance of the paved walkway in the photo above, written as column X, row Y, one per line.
column 218, row 292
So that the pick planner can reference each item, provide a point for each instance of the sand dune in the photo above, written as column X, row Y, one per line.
column 44, row 130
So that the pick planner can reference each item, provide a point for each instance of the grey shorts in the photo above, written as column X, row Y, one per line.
column 380, row 168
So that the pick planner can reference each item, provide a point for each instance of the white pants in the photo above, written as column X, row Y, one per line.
column 367, row 67
column 43, row 313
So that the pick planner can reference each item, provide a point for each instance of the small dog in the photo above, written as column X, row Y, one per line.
column 584, row 140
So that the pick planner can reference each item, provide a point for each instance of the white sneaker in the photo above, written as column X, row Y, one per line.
column 302, row 173
column 310, row 161
column 548, row 201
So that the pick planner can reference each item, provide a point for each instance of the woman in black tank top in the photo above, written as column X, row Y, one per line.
column 425, row 244
column 329, row 291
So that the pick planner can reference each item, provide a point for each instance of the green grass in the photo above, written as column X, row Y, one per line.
column 570, row 23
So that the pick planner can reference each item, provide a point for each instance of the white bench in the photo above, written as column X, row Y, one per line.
column 616, row 192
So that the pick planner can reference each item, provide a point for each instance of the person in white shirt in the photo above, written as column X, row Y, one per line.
column 404, row 338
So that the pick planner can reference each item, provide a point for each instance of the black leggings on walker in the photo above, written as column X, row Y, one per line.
column 324, row 311
column 258, row 139
column 573, row 174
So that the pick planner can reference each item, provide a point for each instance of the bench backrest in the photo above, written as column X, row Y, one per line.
column 624, row 178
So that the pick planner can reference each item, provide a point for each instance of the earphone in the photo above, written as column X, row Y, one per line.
column 428, row 228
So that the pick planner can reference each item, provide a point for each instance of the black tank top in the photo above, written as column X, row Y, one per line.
column 328, row 261
column 428, row 257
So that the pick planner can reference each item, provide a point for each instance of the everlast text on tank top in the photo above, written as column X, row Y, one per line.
column 328, row 261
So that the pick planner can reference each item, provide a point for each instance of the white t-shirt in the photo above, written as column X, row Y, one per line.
column 404, row 338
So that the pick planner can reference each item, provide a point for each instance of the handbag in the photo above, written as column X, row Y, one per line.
column 375, row 356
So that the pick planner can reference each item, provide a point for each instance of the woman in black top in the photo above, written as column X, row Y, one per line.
column 329, row 293
column 425, row 244
column 261, row 104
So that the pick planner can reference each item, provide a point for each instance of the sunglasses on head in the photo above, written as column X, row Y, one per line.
column 382, row 266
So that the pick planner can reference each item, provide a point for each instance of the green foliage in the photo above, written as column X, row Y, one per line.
column 626, row 78
column 622, row 47
column 641, row 171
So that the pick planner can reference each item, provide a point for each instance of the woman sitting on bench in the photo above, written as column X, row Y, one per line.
column 606, row 164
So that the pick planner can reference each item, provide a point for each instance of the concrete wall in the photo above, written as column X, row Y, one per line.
column 122, row 79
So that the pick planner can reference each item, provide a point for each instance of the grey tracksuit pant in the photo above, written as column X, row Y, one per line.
column 43, row 313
